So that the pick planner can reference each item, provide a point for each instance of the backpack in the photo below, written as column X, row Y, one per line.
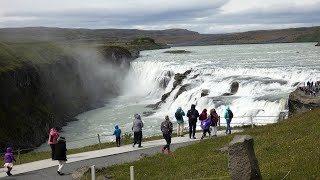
column 203, row 116
column 205, row 124
column 193, row 115
column 178, row 115
column 230, row 114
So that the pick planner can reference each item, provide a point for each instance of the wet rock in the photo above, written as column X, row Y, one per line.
column 182, row 89
column 165, row 96
column 234, row 87
column 165, row 78
column 147, row 113
column 180, row 77
column 227, row 94
column 155, row 106
column 204, row 92
column 242, row 162
column 195, row 76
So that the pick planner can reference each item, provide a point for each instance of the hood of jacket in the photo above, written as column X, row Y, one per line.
column 53, row 131
column 116, row 127
column 193, row 107
column 179, row 110
column 227, row 107
column 9, row 150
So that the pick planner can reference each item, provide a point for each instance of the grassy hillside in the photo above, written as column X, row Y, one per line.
column 292, row 145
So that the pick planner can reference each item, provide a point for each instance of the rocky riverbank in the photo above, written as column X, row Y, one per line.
column 300, row 102
column 45, row 85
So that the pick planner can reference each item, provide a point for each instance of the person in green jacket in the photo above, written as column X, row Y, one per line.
column 180, row 122
column 228, row 115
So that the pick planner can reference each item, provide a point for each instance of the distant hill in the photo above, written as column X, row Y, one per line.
column 170, row 36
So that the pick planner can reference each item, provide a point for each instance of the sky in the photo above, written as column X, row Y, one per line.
column 204, row 16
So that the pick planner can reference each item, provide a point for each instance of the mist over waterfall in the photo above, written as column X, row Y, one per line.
column 264, row 75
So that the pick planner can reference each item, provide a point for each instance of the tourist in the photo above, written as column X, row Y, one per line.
column 52, row 140
column 193, row 115
column 205, row 125
column 214, row 118
column 137, row 130
column 166, row 128
column 61, row 154
column 8, row 159
column 180, row 122
column 117, row 133
column 203, row 115
column 228, row 115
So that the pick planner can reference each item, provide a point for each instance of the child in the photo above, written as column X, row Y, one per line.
column 117, row 133
column 205, row 125
column 8, row 158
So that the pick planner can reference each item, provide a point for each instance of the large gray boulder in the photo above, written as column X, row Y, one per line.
column 242, row 162
column 234, row 87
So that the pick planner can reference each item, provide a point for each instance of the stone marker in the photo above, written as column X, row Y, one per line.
column 242, row 162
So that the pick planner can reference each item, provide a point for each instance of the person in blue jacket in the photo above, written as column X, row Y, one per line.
column 228, row 115
column 117, row 133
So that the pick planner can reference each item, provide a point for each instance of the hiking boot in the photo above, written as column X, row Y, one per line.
column 140, row 146
column 60, row 173
column 133, row 145
column 194, row 137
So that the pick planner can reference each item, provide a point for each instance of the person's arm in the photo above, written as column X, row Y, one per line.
column 170, row 127
column 114, row 132
column 141, row 124
column 182, row 113
column 12, row 157
column 188, row 113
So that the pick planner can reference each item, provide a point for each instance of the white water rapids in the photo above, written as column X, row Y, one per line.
column 266, row 74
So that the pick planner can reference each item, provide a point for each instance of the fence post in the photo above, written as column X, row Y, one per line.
column 251, row 121
column 99, row 141
column 93, row 173
column 131, row 173
column 19, row 159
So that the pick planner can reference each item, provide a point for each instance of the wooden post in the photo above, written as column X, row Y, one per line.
column 93, row 173
column 131, row 173
column 19, row 159
column 99, row 141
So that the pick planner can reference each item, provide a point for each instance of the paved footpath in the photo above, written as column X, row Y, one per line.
column 47, row 169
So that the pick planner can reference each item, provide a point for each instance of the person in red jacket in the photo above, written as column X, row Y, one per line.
column 52, row 141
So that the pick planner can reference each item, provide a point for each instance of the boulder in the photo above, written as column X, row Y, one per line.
column 234, row 87
column 182, row 89
column 242, row 162
column 204, row 92
column 180, row 77
column 318, row 44
column 227, row 94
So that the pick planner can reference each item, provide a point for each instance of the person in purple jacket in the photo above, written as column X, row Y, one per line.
column 8, row 159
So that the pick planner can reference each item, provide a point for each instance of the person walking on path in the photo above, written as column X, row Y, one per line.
column 180, row 122
column 166, row 128
column 214, row 118
column 203, row 115
column 205, row 125
column 137, row 130
column 61, row 154
column 228, row 115
column 8, row 159
column 52, row 141
column 193, row 115
column 117, row 133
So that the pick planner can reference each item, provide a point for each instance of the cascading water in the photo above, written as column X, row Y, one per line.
column 266, row 74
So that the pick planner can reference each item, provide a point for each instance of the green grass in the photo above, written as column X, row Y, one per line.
column 291, row 145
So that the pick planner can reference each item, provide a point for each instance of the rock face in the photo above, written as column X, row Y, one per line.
column 299, row 102
column 234, row 87
column 38, row 96
column 242, row 162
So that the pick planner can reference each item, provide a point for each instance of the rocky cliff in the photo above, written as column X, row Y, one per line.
column 299, row 102
column 45, row 85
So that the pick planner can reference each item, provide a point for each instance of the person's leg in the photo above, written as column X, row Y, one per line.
column 61, row 164
column 190, row 129
column 203, row 134
column 215, row 130
column 181, row 129
column 178, row 129
column 139, row 138
column 209, row 133
column 135, row 138
column 194, row 124
column 228, row 125
column 53, row 150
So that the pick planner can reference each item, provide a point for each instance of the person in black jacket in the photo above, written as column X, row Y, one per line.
column 193, row 115
column 60, row 154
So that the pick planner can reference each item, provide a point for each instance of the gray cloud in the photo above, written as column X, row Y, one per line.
column 206, row 16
